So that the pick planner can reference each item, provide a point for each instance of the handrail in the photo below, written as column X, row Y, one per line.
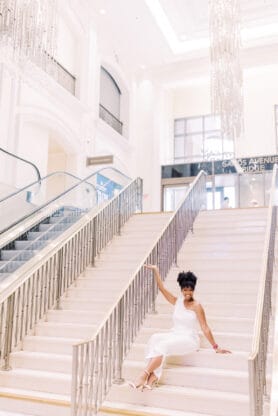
column 63, row 173
column 56, row 198
column 258, row 356
column 85, row 180
column 98, row 361
column 23, row 160
column 42, row 179
column 110, row 119
column 115, row 169
column 40, row 283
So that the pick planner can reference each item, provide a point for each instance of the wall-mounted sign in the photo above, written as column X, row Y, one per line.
column 100, row 160
column 218, row 167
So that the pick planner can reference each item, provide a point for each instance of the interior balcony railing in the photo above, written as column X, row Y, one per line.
column 59, row 73
column 110, row 119
column 257, row 361
column 98, row 362
column 66, row 79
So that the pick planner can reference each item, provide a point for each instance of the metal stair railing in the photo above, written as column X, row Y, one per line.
column 98, row 362
column 39, row 284
column 258, row 356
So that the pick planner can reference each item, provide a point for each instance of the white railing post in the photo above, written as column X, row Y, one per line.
column 258, row 356
column 9, row 332
column 120, row 338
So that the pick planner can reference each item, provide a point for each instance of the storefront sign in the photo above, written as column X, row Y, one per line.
column 99, row 160
column 218, row 167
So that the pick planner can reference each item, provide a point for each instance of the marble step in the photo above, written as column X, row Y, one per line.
column 64, row 330
column 178, row 398
column 35, row 380
column 74, row 316
column 241, row 325
column 228, row 340
column 41, row 361
column 195, row 377
column 227, row 309
column 51, row 345
column 33, row 403
column 124, row 409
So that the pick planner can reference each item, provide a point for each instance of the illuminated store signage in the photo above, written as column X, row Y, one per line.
column 249, row 164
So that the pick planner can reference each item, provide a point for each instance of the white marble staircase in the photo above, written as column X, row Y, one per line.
column 40, row 379
column 225, row 253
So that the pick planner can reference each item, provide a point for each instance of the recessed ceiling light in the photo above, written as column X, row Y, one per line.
column 102, row 11
column 143, row 66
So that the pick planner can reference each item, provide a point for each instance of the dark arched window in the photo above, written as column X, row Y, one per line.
column 110, row 101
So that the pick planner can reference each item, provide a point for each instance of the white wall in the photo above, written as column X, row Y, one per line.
column 66, row 46
column 147, row 135
column 33, row 146
column 260, row 95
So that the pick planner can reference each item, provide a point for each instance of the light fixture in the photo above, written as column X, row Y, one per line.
column 102, row 11
column 226, row 72
column 28, row 31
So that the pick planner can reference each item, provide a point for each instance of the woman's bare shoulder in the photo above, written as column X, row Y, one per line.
column 197, row 306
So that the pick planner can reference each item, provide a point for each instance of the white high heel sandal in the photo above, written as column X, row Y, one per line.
column 151, row 383
column 141, row 384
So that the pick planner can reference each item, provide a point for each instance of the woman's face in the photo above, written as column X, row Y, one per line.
column 187, row 293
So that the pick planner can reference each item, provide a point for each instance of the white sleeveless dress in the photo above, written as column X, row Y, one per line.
column 182, row 339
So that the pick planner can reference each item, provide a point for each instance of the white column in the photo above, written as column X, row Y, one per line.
column 8, row 121
column 147, row 131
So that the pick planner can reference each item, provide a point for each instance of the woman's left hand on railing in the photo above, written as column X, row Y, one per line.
column 152, row 267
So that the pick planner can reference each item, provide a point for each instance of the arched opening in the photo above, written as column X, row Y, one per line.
column 114, row 100
column 110, row 101
column 60, row 159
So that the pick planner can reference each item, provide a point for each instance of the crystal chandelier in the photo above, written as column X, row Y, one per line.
column 28, row 31
column 226, row 72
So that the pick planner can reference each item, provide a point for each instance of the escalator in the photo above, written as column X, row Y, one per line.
column 39, row 213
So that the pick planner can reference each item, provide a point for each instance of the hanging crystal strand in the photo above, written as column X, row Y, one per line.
column 226, row 73
column 53, row 37
column 28, row 29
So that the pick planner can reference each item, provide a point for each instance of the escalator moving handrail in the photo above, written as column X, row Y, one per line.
column 47, row 203
column 39, row 182
column 23, row 160
column 64, row 173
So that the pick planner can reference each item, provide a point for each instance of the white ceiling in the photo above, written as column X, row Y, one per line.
column 132, row 32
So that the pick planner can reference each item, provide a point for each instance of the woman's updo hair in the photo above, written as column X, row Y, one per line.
column 187, row 279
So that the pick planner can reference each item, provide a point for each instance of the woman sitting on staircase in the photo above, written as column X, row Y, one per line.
column 183, row 338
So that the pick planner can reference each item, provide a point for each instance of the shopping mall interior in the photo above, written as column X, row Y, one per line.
column 138, row 132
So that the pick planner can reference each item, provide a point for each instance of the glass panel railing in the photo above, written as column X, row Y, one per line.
column 108, row 182
column 47, row 219
column 15, row 171
column 29, row 199
column 61, row 189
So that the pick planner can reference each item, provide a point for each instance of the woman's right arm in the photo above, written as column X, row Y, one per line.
column 168, row 295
